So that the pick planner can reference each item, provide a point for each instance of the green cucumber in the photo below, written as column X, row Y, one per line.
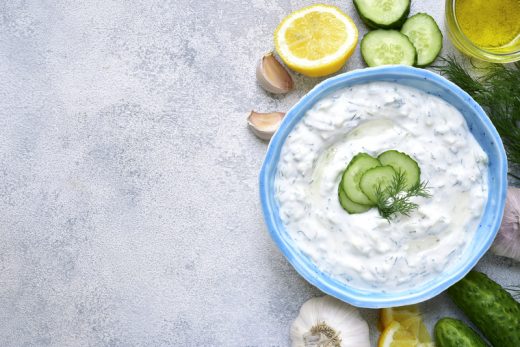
column 388, row 14
column 378, row 177
column 387, row 47
column 352, row 175
column 349, row 205
column 492, row 309
column 451, row 332
column 404, row 163
column 426, row 37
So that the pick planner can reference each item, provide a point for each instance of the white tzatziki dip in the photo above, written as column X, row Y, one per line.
column 365, row 249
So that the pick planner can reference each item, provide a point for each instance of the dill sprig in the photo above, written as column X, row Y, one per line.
column 396, row 199
column 498, row 92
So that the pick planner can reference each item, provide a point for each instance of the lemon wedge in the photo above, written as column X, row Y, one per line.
column 399, row 314
column 411, row 330
column 395, row 335
column 316, row 40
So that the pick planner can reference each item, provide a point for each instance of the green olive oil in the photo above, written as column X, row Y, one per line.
column 493, row 25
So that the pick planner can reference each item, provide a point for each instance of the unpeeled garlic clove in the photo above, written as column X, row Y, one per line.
column 272, row 76
column 507, row 242
column 264, row 125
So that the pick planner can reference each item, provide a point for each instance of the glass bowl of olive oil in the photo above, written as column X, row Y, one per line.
column 485, row 29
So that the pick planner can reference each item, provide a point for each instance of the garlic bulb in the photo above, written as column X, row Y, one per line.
column 272, row 76
column 264, row 125
column 507, row 242
column 328, row 322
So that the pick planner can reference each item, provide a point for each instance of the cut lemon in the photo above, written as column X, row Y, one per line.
column 412, row 324
column 395, row 335
column 410, row 320
column 399, row 314
column 425, row 338
column 316, row 40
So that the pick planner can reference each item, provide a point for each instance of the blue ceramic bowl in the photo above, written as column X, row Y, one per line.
column 480, row 126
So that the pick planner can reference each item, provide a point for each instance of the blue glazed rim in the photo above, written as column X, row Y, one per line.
column 480, row 126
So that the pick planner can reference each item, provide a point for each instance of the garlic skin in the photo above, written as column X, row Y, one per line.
column 328, row 322
column 507, row 242
column 272, row 76
column 264, row 125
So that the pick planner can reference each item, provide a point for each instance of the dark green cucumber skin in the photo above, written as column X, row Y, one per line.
column 373, row 25
column 492, row 309
column 451, row 332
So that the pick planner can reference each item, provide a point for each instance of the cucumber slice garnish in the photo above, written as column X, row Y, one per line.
column 387, row 47
column 388, row 14
column 352, row 177
column 349, row 205
column 378, row 177
column 404, row 163
column 426, row 37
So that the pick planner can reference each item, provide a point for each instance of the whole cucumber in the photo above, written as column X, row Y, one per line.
column 451, row 332
column 489, row 307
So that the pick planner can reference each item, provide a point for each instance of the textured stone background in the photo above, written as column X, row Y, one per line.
column 129, row 213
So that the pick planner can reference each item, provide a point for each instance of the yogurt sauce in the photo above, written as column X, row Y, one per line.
column 364, row 249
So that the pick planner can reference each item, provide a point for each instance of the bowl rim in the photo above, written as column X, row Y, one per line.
column 294, row 256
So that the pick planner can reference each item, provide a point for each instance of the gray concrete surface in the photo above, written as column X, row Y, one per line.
column 129, row 213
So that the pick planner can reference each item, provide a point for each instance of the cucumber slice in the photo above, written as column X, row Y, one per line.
column 388, row 14
column 349, row 205
column 426, row 37
column 352, row 175
column 379, row 176
column 400, row 161
column 387, row 47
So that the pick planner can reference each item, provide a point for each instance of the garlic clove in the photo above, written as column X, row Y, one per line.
column 272, row 76
column 264, row 125
column 507, row 242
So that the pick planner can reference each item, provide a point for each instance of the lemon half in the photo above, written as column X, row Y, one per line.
column 316, row 40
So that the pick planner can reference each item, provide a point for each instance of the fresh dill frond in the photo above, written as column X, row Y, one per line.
column 498, row 92
column 420, row 189
column 395, row 199
column 459, row 75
